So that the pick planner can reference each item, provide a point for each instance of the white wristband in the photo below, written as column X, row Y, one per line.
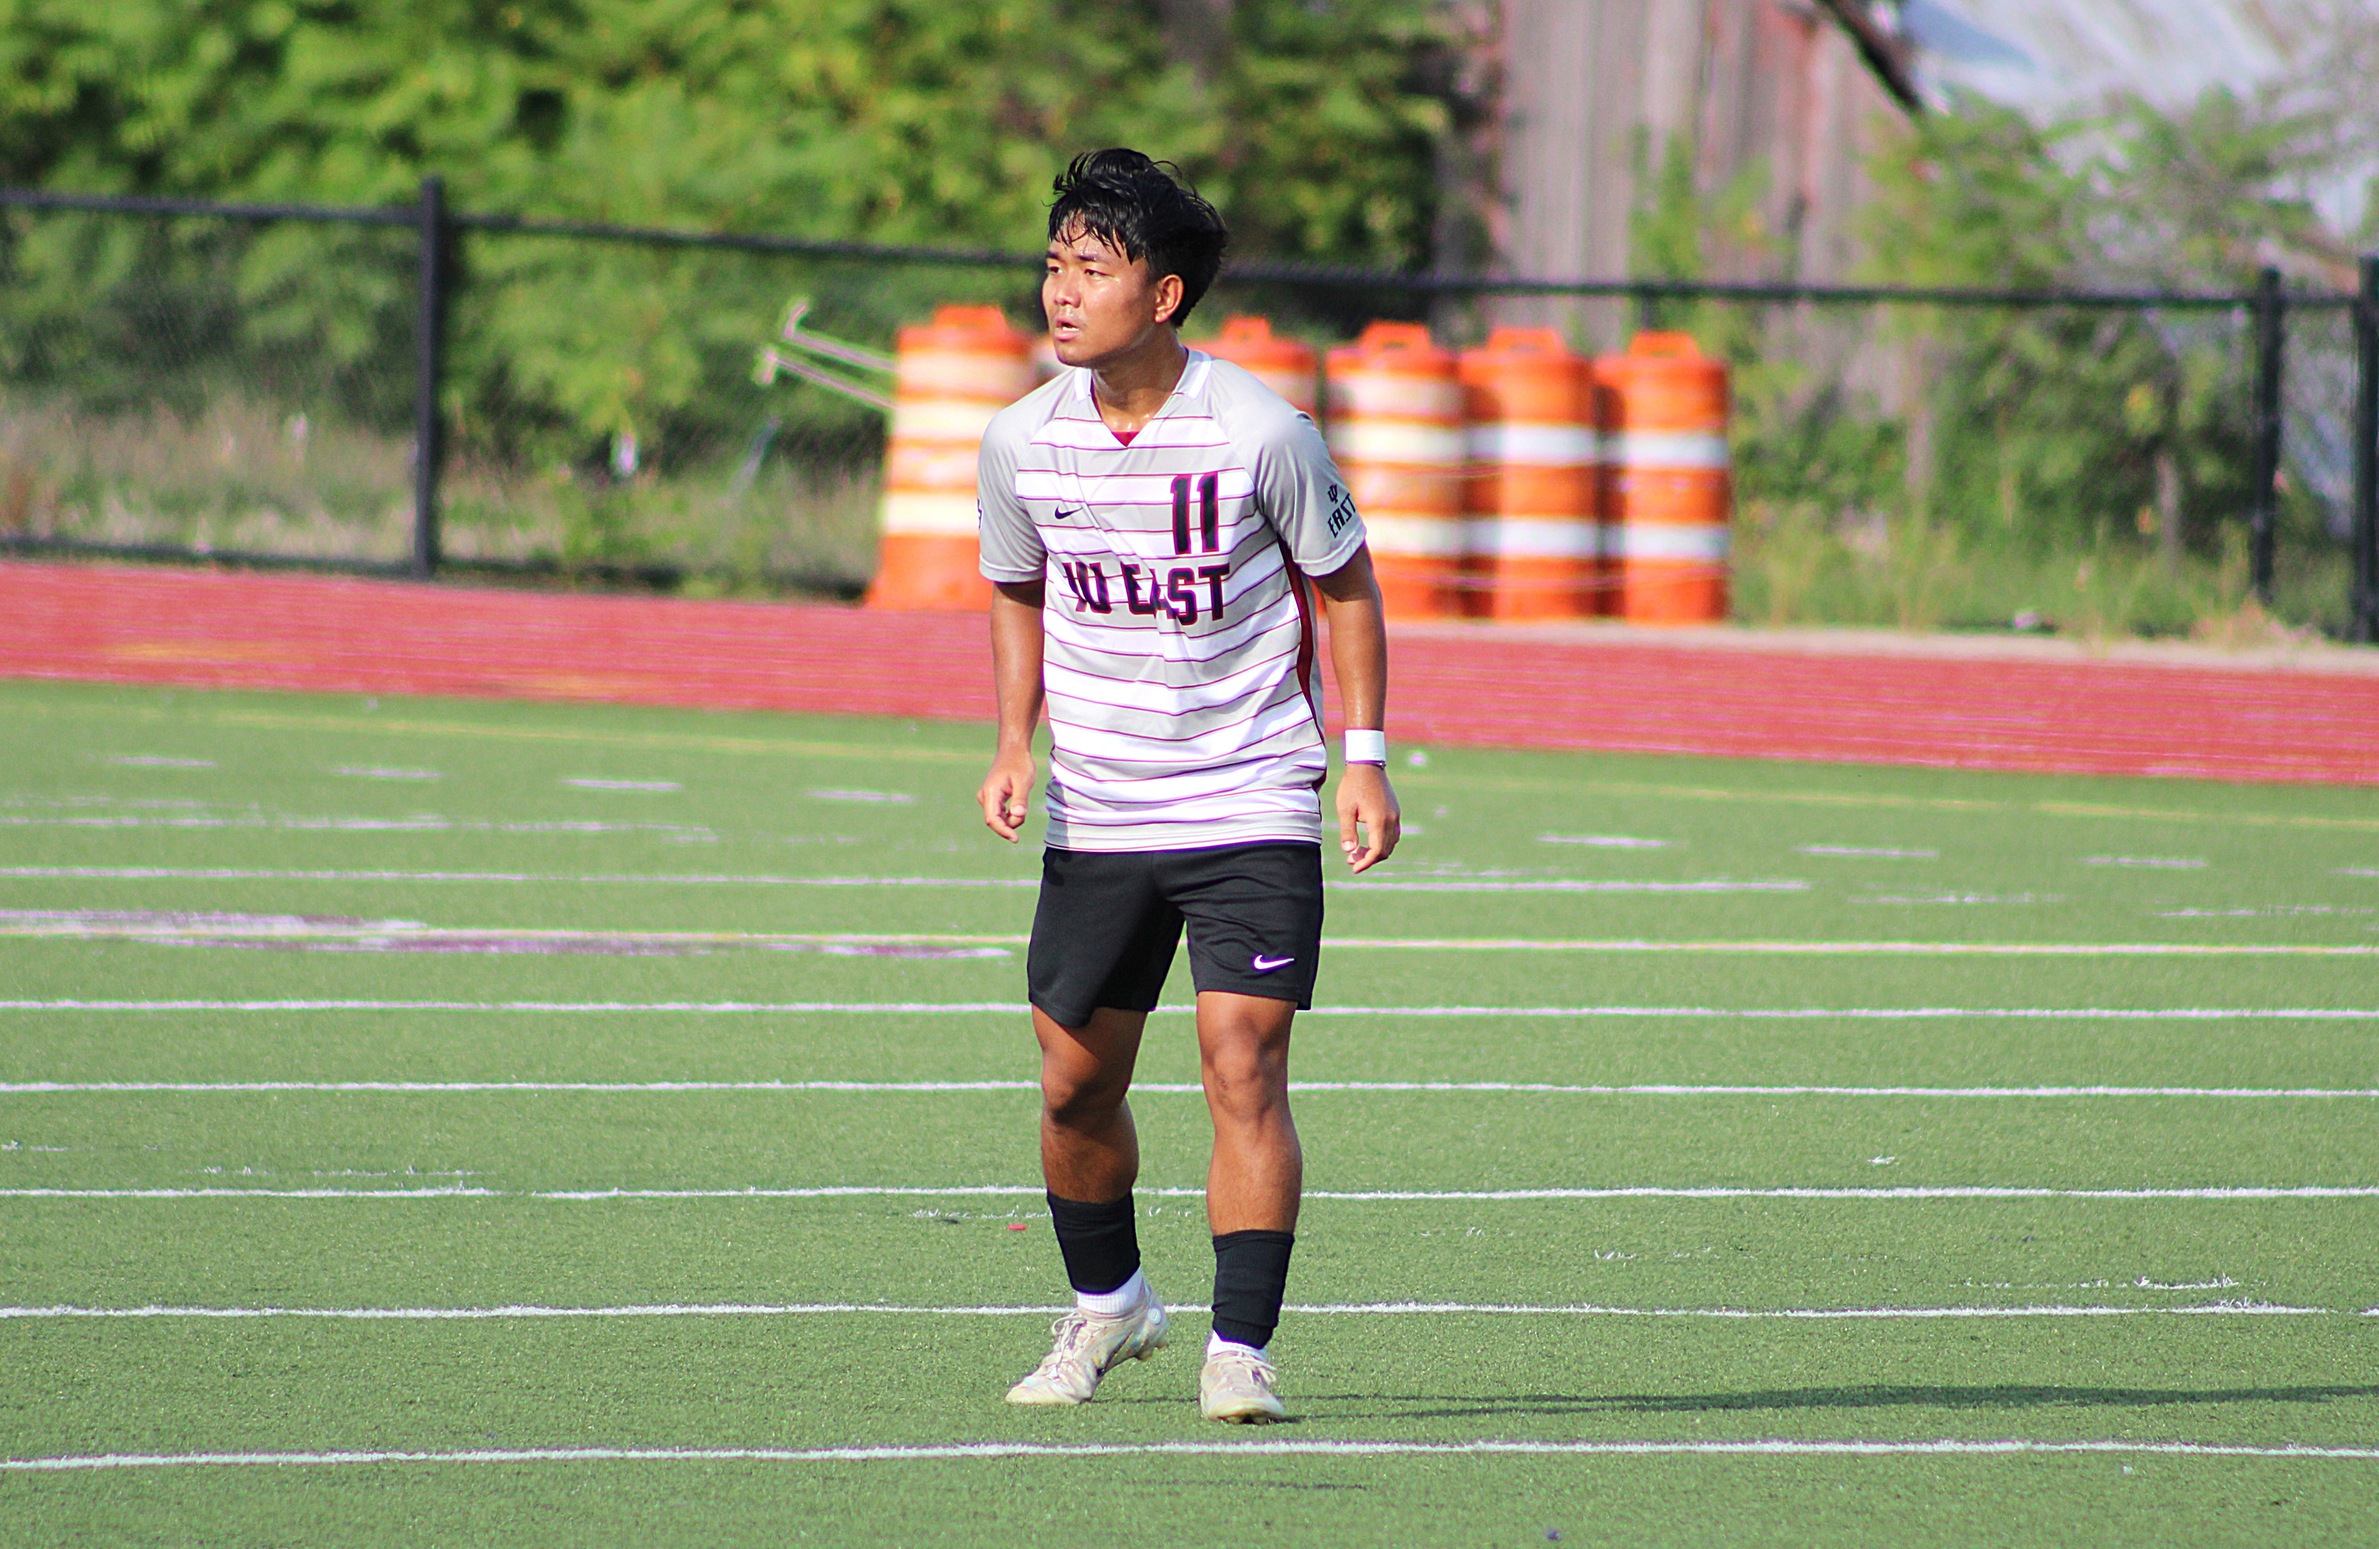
column 1367, row 747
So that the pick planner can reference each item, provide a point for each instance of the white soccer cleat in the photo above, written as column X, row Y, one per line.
column 1235, row 1385
column 1087, row 1348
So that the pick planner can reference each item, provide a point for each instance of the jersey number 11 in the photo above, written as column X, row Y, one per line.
column 1210, row 526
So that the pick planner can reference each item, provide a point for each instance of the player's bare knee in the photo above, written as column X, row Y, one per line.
column 1245, row 1085
column 1080, row 1099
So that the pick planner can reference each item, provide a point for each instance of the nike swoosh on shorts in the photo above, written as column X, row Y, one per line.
column 1265, row 965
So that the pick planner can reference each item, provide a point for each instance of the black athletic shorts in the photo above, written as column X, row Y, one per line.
column 1109, row 921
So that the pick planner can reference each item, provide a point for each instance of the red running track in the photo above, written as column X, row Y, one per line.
column 1453, row 684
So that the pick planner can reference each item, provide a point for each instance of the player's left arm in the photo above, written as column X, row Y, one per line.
column 1369, row 822
column 1301, row 492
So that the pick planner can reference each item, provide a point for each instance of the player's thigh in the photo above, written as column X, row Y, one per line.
column 1243, row 1048
column 1103, row 936
column 1088, row 1067
column 1254, row 915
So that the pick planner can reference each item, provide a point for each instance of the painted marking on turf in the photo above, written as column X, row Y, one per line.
column 159, row 761
column 1574, row 885
column 1865, row 853
column 384, row 772
column 1017, row 1008
column 1529, row 944
column 305, row 933
column 963, row 1451
column 566, row 1007
column 226, row 873
column 260, row 874
column 2266, row 912
column 1312, row 1310
column 1582, row 1089
column 513, row 731
column 1961, row 898
column 424, row 824
column 1604, row 841
column 329, row 934
column 442, row 1191
column 889, row 798
column 592, row 783
column 1354, row 1196
column 1855, row 948
column 2148, row 862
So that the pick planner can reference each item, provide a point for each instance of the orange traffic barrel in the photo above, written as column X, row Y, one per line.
column 1668, row 494
column 951, row 376
column 1284, row 365
column 1396, row 431
column 1530, row 485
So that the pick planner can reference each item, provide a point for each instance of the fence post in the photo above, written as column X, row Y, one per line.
column 429, row 341
column 2263, row 507
column 2366, row 455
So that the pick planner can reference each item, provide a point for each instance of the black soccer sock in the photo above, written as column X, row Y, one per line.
column 1101, row 1242
column 1251, row 1275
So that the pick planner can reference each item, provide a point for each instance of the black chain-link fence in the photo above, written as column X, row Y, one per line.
column 182, row 379
column 185, row 382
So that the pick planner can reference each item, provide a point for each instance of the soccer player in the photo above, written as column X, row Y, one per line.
column 1149, row 521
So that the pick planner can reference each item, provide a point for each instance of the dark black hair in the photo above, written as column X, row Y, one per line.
column 1143, row 209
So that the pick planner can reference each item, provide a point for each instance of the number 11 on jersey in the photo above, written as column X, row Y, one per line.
column 1210, row 521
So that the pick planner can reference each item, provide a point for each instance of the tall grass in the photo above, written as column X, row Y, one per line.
column 1798, row 564
column 241, row 476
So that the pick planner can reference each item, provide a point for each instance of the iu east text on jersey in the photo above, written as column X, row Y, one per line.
column 1179, row 653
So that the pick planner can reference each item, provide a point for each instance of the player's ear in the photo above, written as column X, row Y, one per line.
column 1168, row 290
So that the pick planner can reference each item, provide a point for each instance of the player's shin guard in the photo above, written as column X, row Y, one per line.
column 1101, row 1242
column 1251, row 1275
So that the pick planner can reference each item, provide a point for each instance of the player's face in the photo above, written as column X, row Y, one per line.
column 1101, row 305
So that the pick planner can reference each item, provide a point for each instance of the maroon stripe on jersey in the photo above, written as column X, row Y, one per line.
column 1222, row 646
column 1271, row 703
column 1110, row 802
column 1307, row 646
column 1275, row 694
column 1147, row 682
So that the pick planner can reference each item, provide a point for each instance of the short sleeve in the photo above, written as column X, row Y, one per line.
column 1010, row 543
column 1299, row 489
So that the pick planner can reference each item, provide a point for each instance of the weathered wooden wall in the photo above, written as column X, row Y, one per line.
column 1584, row 99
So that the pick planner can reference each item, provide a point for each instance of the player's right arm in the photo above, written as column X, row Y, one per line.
column 1016, row 673
column 1016, row 565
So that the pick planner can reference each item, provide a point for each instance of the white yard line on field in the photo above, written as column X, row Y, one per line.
column 1581, row 1089
column 248, row 874
column 1317, row 1310
column 1018, row 1008
column 1858, row 948
column 425, row 823
column 569, row 1007
column 1358, row 1196
column 691, row 879
column 88, row 929
column 1315, row 1447
column 1711, row 885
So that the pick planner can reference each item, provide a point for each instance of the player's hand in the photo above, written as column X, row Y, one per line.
column 1007, row 793
column 1369, row 822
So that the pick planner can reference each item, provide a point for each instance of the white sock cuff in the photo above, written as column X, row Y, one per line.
column 1216, row 1342
column 1115, row 1303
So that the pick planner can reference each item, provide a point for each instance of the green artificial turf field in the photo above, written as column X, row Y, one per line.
column 1828, row 1108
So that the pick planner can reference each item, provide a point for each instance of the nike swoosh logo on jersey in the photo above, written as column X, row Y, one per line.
column 1062, row 515
column 1265, row 965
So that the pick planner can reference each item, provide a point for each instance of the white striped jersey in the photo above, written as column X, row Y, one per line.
column 1179, row 649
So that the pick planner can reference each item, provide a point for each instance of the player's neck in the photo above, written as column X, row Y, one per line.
column 1131, row 387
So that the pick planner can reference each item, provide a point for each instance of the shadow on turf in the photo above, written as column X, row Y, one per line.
column 1876, row 1396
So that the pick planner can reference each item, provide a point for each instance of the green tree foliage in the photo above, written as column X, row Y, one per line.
column 2045, row 442
column 927, row 121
